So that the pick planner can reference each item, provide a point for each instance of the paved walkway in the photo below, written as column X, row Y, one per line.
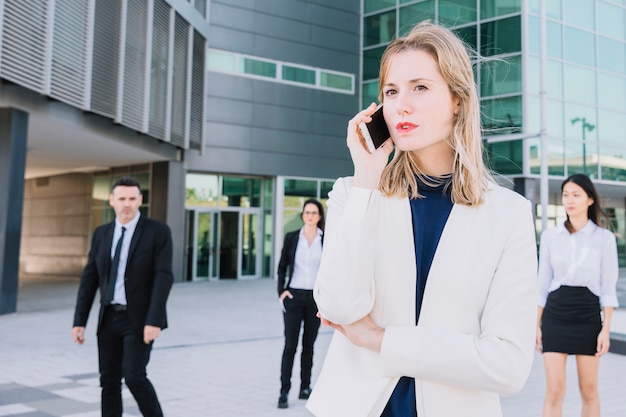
column 220, row 357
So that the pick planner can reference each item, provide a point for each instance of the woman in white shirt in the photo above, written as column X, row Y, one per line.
column 297, row 270
column 578, row 271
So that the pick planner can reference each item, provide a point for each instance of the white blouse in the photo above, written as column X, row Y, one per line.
column 587, row 258
column 306, row 262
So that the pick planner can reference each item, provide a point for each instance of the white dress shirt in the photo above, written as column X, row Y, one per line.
column 119, row 296
column 587, row 258
column 306, row 262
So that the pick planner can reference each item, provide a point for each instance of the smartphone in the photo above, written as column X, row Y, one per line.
column 375, row 132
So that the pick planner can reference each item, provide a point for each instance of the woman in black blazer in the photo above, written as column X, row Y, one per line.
column 297, row 271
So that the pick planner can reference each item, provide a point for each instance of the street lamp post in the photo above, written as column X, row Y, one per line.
column 586, row 126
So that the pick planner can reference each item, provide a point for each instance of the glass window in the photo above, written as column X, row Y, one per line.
column 505, row 157
column 371, row 62
column 300, row 188
column 555, row 39
column 370, row 93
column 579, row 84
column 373, row 5
column 613, row 163
column 495, row 8
column 611, row 55
column 610, row 20
column 611, row 92
column 501, row 36
column 579, row 157
column 415, row 13
column 457, row 12
column 578, row 13
column 220, row 61
column 555, row 79
column 258, row 67
column 553, row 8
column 338, row 81
column 501, row 76
column 611, row 127
column 502, row 115
column 300, row 75
column 554, row 117
column 556, row 161
column 580, row 122
column 469, row 36
column 579, row 46
column 201, row 190
column 534, row 35
column 241, row 192
column 380, row 28
column 325, row 188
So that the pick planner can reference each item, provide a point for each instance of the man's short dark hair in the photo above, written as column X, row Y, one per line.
column 126, row 182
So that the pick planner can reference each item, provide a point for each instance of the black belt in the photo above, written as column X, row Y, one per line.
column 117, row 307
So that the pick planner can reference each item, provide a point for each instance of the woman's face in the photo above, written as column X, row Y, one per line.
column 310, row 214
column 419, row 109
column 575, row 200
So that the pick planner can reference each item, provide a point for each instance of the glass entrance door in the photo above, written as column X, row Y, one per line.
column 227, row 244
column 205, row 265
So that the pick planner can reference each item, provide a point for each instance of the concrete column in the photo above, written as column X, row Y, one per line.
column 168, row 205
column 13, row 137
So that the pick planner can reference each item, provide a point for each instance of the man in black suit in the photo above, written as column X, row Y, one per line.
column 130, row 261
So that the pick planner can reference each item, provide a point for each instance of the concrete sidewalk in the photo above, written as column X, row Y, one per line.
column 220, row 357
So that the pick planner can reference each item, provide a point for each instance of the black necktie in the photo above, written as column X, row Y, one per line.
column 115, row 263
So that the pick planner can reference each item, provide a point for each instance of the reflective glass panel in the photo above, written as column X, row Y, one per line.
column 581, row 157
column 556, row 161
column 554, row 116
column 201, row 190
column 380, row 28
column 495, row 8
column 370, row 93
column 611, row 55
column 501, row 36
column 221, row 61
column 613, row 163
column 579, row 84
column 579, row 46
column 580, row 122
column 415, row 13
column 258, row 67
column 469, row 36
column 610, row 20
column 555, row 39
column 241, row 192
column 505, row 157
column 501, row 76
column 457, row 12
column 502, row 115
column 611, row 92
column 338, row 81
column 534, row 35
column 300, row 75
column 373, row 5
column 553, row 8
column 371, row 62
column 611, row 127
column 578, row 13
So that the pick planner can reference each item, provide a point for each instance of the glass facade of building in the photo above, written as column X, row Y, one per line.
column 585, row 90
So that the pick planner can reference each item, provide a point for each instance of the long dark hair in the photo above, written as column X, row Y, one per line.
column 594, row 211
column 322, row 221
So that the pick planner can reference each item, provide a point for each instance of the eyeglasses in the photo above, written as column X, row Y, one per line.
column 311, row 213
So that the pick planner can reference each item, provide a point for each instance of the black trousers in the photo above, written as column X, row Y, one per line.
column 123, row 354
column 297, row 310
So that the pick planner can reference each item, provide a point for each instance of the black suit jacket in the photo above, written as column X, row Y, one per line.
column 147, row 280
column 287, row 259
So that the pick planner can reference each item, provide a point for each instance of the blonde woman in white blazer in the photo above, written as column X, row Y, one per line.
column 475, row 306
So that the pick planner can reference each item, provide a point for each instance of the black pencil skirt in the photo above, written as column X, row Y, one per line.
column 571, row 321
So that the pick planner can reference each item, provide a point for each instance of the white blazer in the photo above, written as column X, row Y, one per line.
column 476, row 331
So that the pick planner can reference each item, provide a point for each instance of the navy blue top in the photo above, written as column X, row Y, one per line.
column 430, row 214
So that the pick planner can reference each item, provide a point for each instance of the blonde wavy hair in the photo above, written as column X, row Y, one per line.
column 469, row 173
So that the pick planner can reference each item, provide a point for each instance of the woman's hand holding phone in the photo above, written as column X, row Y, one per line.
column 368, row 167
